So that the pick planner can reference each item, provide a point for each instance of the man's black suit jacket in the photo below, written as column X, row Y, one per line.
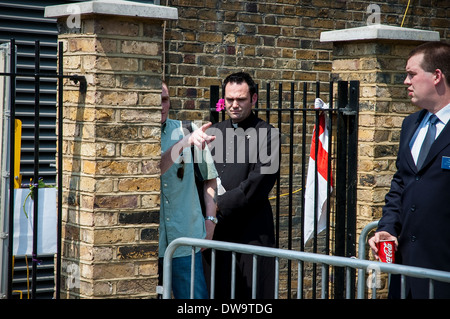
column 417, row 210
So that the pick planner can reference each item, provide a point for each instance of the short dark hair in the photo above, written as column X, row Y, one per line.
column 238, row 78
column 436, row 56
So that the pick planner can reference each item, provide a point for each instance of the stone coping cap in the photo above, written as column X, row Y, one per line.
column 379, row 31
column 113, row 7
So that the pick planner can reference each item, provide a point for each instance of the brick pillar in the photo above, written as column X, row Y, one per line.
column 111, row 145
column 376, row 56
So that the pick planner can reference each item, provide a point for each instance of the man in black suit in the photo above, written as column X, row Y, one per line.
column 417, row 211
column 246, row 156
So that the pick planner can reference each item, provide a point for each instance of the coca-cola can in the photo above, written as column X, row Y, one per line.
column 386, row 251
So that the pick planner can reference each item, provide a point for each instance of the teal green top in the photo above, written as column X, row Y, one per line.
column 181, row 214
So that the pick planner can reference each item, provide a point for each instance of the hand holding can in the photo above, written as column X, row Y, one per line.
column 386, row 251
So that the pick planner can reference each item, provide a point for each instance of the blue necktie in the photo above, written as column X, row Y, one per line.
column 429, row 139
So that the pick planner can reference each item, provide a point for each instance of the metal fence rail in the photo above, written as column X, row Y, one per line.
column 362, row 255
column 348, row 263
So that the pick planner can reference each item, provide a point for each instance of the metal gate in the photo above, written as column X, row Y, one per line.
column 8, row 214
column 291, row 112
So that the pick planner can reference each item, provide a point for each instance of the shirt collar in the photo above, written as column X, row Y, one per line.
column 245, row 124
column 444, row 114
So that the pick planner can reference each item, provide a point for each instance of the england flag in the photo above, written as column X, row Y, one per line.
column 322, row 176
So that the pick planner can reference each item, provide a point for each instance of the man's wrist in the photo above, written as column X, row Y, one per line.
column 212, row 218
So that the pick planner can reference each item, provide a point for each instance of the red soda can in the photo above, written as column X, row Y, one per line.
column 386, row 251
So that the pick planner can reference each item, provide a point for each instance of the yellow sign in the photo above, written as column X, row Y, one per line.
column 17, row 146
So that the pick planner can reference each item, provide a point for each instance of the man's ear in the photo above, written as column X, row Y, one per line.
column 254, row 98
column 438, row 76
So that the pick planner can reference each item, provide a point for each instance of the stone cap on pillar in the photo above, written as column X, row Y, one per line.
column 113, row 7
column 379, row 32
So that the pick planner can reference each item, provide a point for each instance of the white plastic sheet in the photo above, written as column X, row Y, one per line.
column 23, row 226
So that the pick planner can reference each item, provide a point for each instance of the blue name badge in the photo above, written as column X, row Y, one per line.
column 445, row 164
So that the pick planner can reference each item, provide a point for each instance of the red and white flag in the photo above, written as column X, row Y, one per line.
column 322, row 176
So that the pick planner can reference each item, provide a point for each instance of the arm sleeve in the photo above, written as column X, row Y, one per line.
column 390, row 221
column 391, row 218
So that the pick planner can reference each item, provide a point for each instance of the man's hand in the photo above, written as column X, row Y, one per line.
column 199, row 138
column 382, row 235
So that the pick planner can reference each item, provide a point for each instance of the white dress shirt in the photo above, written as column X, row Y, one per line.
column 416, row 142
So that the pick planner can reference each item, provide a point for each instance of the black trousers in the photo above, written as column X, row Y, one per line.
column 265, row 280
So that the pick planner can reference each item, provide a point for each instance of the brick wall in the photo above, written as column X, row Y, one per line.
column 378, row 65
column 111, row 158
column 276, row 41
column 111, row 132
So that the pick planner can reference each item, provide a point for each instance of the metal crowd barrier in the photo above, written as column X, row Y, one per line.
column 324, row 260
column 362, row 255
